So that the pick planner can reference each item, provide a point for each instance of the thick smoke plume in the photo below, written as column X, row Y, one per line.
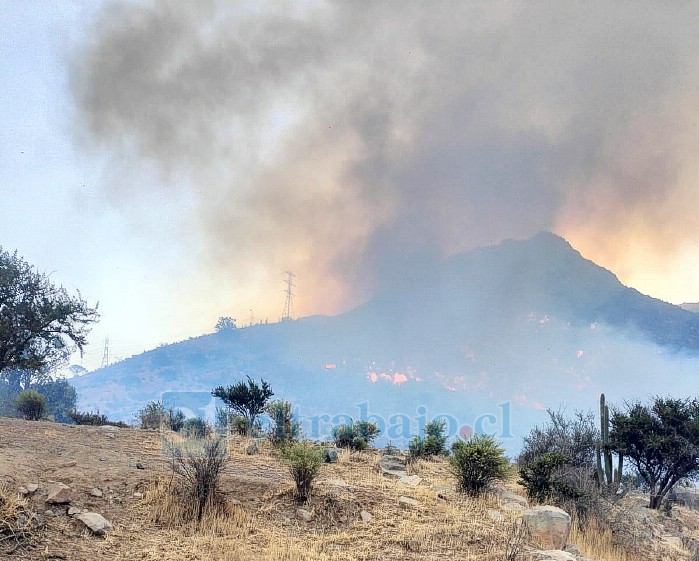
column 337, row 139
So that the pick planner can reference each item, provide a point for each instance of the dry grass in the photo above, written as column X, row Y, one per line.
column 18, row 525
column 258, row 521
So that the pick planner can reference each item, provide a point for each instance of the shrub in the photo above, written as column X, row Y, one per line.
column 304, row 461
column 152, row 415
column 284, row 427
column 175, row 420
column 432, row 444
column 223, row 418
column 94, row 419
column 31, row 404
column 356, row 436
column 537, row 477
column 575, row 438
column 478, row 462
column 196, row 427
column 200, row 470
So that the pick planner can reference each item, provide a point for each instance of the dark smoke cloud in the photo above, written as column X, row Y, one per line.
column 337, row 139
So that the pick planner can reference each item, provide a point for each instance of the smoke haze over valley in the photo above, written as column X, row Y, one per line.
column 490, row 338
column 171, row 159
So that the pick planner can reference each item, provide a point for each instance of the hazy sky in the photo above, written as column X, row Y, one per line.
column 171, row 159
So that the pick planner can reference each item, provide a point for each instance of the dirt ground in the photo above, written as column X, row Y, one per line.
column 131, row 468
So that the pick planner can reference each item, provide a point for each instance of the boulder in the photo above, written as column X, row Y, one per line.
column 95, row 522
column 96, row 492
column 393, row 465
column 31, row 488
column 303, row 515
column 331, row 455
column 59, row 494
column 73, row 510
column 366, row 516
column 252, row 449
column 548, row 526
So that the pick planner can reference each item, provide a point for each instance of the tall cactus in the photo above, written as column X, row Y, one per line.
column 607, row 475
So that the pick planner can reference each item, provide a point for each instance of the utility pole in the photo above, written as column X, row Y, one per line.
column 105, row 355
column 289, row 291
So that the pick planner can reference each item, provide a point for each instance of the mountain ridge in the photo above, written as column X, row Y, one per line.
column 521, row 322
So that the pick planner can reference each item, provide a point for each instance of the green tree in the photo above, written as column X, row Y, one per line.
column 356, row 436
column 61, row 398
column 661, row 440
column 477, row 463
column 31, row 404
column 248, row 399
column 432, row 444
column 41, row 324
column 225, row 323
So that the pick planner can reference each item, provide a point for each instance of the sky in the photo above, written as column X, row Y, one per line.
column 170, row 160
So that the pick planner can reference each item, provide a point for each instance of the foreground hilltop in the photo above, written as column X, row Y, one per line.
column 356, row 512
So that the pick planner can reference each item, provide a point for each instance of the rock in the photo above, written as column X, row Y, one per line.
column 407, row 502
column 96, row 492
column 548, row 526
column 139, row 465
column 331, row 455
column 23, row 491
column 672, row 541
column 513, row 507
column 412, row 480
column 138, row 495
column 507, row 496
column 68, row 465
column 366, row 516
column 495, row 515
column 551, row 555
column 48, row 513
column 393, row 465
column 303, row 515
column 31, row 488
column 252, row 449
column 59, row 494
column 96, row 523
column 73, row 510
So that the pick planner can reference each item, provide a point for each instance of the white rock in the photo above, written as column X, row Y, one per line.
column 407, row 502
column 366, row 516
column 412, row 480
column 97, row 523
column 303, row 515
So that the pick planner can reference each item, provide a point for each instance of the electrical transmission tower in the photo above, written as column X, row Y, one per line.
column 289, row 291
column 105, row 355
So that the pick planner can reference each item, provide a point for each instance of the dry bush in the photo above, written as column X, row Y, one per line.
column 18, row 524
column 199, row 464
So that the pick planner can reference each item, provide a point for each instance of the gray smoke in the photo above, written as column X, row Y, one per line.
column 334, row 138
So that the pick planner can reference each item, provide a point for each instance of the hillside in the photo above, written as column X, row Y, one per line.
column 355, row 514
column 489, row 337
